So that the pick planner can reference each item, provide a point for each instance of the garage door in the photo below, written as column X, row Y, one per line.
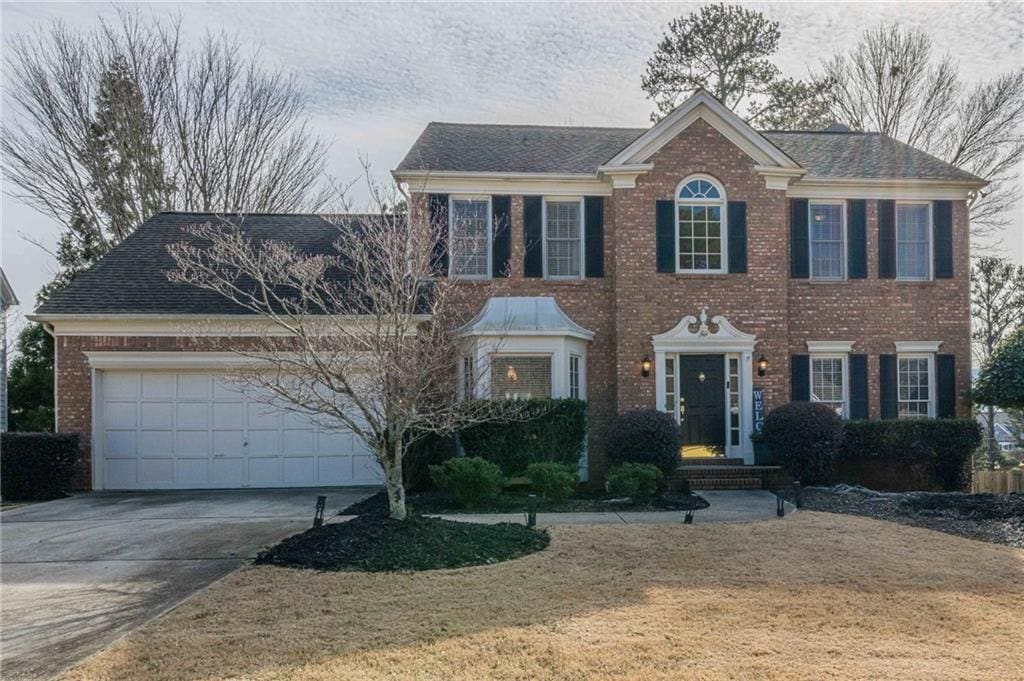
column 187, row 430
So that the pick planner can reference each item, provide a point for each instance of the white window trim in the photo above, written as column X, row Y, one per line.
column 580, row 369
column 931, row 240
column 490, row 235
column 544, row 235
column 930, row 356
column 845, row 368
column 810, row 239
column 723, row 202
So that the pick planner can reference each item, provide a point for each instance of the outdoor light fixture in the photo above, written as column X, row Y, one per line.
column 645, row 366
column 512, row 374
column 762, row 365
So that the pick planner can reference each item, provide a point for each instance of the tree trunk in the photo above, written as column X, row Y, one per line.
column 393, row 482
column 993, row 450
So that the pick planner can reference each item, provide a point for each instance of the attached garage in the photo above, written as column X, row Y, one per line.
column 195, row 429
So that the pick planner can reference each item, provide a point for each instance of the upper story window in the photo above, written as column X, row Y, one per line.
column 563, row 238
column 913, row 241
column 700, row 226
column 469, row 236
column 827, row 227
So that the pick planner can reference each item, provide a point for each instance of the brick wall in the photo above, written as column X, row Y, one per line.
column 633, row 301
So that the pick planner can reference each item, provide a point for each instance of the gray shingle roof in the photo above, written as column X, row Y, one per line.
column 130, row 279
column 868, row 155
column 550, row 149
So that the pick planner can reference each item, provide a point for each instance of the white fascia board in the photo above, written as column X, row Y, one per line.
column 863, row 188
column 830, row 346
column 550, row 184
column 181, row 325
column 917, row 346
column 703, row 106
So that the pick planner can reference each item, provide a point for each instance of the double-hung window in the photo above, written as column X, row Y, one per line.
column 563, row 238
column 914, row 386
column 913, row 241
column 700, row 226
column 574, row 377
column 827, row 227
column 828, row 382
column 469, row 237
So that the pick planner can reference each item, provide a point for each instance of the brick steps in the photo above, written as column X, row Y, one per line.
column 726, row 476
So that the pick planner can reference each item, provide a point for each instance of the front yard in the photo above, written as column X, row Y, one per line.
column 813, row 596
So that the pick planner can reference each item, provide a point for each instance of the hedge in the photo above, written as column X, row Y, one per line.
column 549, row 430
column 908, row 453
column 37, row 466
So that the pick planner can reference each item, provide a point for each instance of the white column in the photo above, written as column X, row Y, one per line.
column 659, row 380
column 746, row 406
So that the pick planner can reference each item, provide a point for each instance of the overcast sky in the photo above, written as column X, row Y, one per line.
column 376, row 74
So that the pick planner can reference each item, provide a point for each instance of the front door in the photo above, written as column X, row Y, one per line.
column 702, row 400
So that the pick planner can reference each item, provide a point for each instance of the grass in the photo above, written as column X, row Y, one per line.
column 375, row 544
column 814, row 596
column 435, row 502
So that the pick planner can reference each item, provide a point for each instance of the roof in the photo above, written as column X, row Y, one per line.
column 131, row 278
column 460, row 147
column 517, row 316
column 7, row 297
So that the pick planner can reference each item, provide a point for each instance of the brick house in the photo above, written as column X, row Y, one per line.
column 689, row 267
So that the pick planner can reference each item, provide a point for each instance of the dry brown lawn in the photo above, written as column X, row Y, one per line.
column 815, row 596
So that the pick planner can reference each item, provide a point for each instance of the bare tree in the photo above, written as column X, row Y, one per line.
column 362, row 336
column 893, row 83
column 107, row 127
column 997, row 307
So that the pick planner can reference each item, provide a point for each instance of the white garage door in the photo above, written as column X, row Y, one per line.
column 170, row 430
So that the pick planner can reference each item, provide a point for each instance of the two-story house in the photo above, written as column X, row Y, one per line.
column 692, row 267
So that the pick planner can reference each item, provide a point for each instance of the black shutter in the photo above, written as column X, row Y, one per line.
column 886, row 239
column 533, row 257
column 800, row 378
column 501, row 242
column 439, row 221
column 942, row 217
column 799, row 243
column 858, row 370
column 945, row 378
column 887, row 385
column 737, row 226
column 666, row 236
column 593, row 229
column 857, row 237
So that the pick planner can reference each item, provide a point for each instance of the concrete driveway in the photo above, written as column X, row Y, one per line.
column 78, row 573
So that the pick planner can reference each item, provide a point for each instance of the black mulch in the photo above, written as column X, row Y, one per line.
column 373, row 543
column 436, row 502
column 995, row 518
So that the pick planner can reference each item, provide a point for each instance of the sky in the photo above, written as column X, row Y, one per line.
column 375, row 74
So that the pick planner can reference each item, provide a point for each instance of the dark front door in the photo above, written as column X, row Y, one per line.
column 702, row 399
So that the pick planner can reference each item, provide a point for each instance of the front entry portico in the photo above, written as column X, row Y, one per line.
column 703, row 371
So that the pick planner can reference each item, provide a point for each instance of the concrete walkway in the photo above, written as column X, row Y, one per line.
column 737, row 506
column 79, row 573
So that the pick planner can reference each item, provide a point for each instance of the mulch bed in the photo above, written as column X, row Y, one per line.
column 437, row 502
column 995, row 518
column 372, row 543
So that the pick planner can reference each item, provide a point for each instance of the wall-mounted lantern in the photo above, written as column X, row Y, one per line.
column 645, row 366
column 762, row 365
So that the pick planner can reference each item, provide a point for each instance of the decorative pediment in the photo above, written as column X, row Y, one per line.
column 703, row 335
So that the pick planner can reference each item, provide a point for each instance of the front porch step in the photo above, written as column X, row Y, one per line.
column 727, row 476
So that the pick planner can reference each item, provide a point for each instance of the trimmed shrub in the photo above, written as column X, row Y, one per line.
column 934, row 453
column 638, row 481
column 644, row 436
column 553, row 481
column 428, row 451
column 37, row 466
column 805, row 438
column 549, row 430
column 469, row 480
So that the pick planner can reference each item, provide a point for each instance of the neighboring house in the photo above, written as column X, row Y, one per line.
column 1006, row 436
column 678, row 267
column 7, row 301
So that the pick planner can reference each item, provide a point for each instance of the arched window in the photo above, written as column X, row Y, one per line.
column 700, row 226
